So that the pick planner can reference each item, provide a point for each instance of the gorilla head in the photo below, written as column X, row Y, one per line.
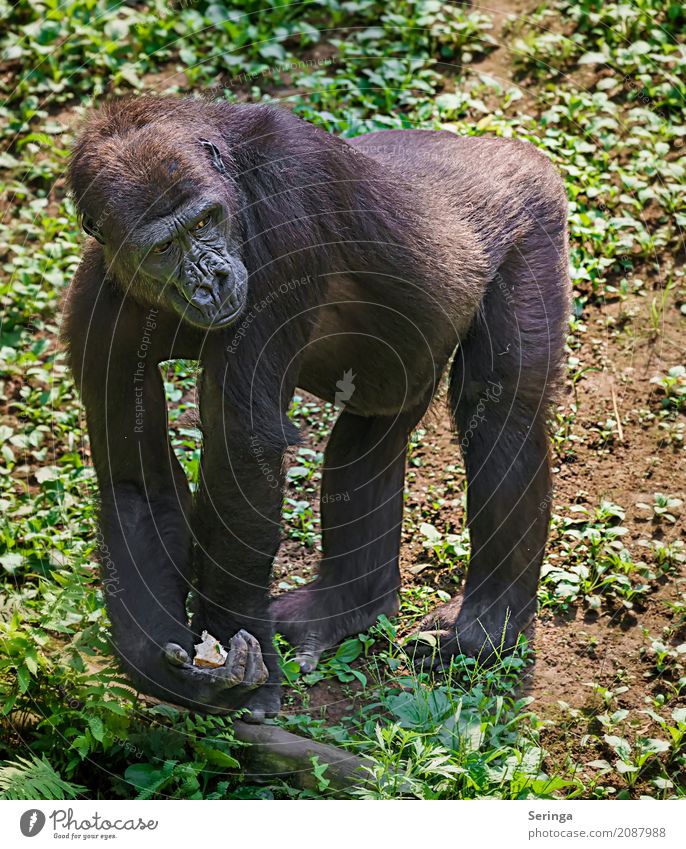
column 167, row 221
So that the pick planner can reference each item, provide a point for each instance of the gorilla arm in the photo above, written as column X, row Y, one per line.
column 145, row 501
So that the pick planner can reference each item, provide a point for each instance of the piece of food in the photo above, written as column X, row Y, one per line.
column 210, row 652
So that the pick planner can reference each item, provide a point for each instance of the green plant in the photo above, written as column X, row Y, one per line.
column 663, row 507
column 631, row 761
column 448, row 549
column 673, row 387
column 597, row 566
column 34, row 778
column 465, row 737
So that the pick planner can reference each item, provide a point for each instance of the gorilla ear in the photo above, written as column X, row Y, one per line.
column 215, row 155
column 89, row 227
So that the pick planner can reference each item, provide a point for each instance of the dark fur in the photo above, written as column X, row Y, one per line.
column 412, row 244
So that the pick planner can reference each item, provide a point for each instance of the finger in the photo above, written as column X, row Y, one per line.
column 233, row 671
column 256, row 673
column 176, row 654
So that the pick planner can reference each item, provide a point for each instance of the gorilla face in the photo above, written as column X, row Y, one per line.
column 163, row 208
column 189, row 253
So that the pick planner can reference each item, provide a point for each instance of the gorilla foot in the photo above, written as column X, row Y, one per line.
column 243, row 671
column 486, row 633
column 312, row 619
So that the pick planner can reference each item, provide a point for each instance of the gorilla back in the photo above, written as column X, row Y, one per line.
column 283, row 257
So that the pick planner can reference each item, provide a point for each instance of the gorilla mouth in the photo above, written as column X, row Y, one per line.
column 222, row 316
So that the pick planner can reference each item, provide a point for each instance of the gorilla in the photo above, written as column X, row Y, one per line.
column 360, row 270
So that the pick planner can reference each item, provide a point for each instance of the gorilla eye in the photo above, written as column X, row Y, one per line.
column 163, row 247
column 201, row 224
column 89, row 227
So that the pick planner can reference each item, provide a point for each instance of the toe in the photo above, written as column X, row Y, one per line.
column 307, row 660
column 309, row 652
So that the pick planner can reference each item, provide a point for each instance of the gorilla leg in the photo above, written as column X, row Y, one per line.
column 500, row 389
column 361, row 510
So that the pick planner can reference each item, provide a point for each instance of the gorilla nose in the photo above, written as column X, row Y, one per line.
column 208, row 291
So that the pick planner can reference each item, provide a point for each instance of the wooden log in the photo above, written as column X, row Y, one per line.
column 276, row 753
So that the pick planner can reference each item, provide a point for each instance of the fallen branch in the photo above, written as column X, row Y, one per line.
column 275, row 753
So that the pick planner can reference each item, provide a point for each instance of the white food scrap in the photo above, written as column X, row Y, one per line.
column 210, row 652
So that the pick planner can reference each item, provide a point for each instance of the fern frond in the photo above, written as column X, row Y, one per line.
column 34, row 778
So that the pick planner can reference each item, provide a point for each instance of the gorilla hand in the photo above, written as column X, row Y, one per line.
column 244, row 665
column 219, row 689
